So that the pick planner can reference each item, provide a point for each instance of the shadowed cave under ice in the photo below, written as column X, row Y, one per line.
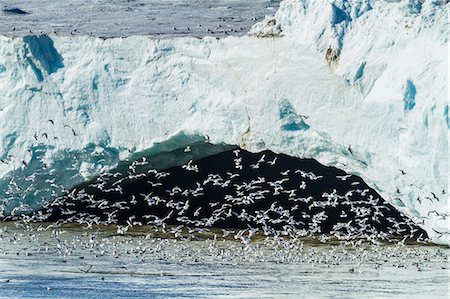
column 235, row 189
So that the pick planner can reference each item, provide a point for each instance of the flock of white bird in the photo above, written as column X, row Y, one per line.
column 250, row 195
column 225, row 212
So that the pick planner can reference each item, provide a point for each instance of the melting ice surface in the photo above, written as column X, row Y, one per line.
column 314, row 81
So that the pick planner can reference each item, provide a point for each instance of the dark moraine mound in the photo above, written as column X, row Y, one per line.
column 237, row 189
column 14, row 11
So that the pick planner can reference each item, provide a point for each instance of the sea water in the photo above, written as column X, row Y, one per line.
column 75, row 262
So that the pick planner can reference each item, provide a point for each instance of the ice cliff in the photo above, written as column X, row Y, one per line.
column 357, row 84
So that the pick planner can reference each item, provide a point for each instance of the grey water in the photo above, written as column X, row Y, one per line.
column 119, row 18
column 72, row 262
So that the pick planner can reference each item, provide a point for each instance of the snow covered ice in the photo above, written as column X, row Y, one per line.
column 358, row 85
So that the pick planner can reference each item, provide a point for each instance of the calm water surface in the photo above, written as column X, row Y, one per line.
column 80, row 263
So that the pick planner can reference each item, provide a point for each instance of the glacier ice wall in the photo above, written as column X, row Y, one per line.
column 359, row 85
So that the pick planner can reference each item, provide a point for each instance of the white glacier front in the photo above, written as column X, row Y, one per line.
column 359, row 85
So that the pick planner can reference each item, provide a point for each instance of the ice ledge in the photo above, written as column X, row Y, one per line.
column 378, row 109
